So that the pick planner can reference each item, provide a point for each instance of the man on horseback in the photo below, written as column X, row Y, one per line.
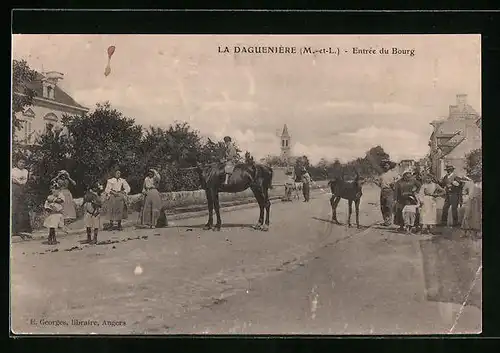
column 230, row 158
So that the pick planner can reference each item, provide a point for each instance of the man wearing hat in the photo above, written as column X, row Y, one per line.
column 386, row 183
column 306, row 184
column 230, row 158
column 453, row 187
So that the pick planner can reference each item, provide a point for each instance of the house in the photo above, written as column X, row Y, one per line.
column 50, row 103
column 452, row 138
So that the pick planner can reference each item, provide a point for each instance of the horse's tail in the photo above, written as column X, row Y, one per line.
column 270, row 178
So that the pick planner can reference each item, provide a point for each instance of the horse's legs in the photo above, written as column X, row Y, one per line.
column 210, row 203
column 334, row 201
column 217, row 210
column 356, row 205
column 350, row 213
column 267, row 205
column 260, row 199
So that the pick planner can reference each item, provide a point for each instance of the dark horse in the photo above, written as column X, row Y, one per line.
column 347, row 190
column 257, row 177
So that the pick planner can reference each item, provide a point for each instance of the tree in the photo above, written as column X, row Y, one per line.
column 22, row 87
column 273, row 161
column 474, row 162
column 102, row 141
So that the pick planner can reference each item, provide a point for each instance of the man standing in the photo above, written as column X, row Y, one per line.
column 117, row 190
column 306, row 184
column 230, row 158
column 386, row 183
column 452, row 184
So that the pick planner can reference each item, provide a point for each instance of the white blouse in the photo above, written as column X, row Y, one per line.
column 117, row 185
column 19, row 176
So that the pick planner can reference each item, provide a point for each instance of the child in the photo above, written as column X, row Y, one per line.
column 54, row 206
column 92, row 212
column 410, row 211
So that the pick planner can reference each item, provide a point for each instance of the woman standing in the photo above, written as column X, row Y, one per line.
column 63, row 180
column 152, row 201
column 428, row 207
column 21, row 222
column 116, row 192
column 473, row 208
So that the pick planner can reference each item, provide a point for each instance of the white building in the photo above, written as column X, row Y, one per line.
column 50, row 103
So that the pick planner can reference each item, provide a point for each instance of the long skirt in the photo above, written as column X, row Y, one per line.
column 54, row 220
column 116, row 207
column 306, row 191
column 151, row 208
column 21, row 221
column 473, row 214
column 69, row 210
column 428, row 211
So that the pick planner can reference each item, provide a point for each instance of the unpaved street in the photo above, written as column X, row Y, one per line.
column 305, row 275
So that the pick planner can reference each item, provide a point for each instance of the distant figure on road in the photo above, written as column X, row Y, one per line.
column 116, row 191
column 21, row 222
column 152, row 201
column 63, row 179
column 230, row 158
column 386, row 183
column 306, row 184
column 428, row 194
column 453, row 187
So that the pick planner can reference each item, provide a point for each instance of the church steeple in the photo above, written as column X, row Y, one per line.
column 285, row 144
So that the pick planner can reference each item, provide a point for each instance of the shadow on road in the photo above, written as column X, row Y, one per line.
column 224, row 225
column 452, row 270
column 339, row 224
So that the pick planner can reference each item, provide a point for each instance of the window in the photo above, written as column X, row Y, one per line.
column 50, row 92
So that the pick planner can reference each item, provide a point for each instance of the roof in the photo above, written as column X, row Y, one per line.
column 59, row 95
column 285, row 131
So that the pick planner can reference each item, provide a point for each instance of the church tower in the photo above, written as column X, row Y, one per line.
column 285, row 144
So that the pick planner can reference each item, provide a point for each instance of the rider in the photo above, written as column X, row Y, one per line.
column 230, row 158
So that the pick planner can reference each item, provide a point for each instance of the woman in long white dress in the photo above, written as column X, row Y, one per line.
column 63, row 180
column 472, row 221
column 428, row 208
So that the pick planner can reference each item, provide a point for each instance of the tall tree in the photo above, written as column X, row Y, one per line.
column 23, row 93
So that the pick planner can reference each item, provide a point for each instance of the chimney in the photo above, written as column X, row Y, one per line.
column 461, row 101
column 53, row 77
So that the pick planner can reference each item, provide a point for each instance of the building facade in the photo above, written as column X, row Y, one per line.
column 454, row 137
column 50, row 104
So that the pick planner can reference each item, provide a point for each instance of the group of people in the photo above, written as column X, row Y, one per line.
column 60, row 210
column 304, row 185
column 411, row 200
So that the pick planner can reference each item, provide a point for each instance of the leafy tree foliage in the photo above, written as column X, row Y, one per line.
column 474, row 162
column 22, row 87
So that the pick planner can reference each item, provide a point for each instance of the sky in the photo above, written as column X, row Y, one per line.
column 335, row 106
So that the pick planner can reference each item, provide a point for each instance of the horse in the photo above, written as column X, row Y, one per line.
column 347, row 190
column 255, row 176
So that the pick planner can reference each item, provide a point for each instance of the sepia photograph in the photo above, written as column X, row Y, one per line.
column 246, row 184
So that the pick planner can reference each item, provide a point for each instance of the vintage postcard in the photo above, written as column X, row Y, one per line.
column 257, row 184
